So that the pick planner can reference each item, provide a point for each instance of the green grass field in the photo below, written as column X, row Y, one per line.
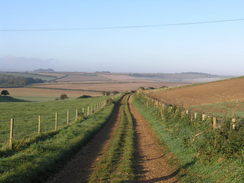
column 40, row 159
column 26, row 115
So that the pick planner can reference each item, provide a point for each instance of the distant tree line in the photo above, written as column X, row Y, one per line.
column 13, row 81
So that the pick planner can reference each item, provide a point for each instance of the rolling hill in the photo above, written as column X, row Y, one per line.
column 231, row 90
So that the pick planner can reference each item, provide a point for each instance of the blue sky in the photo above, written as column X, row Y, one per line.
column 212, row 48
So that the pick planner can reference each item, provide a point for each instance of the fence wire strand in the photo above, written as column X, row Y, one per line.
column 28, row 126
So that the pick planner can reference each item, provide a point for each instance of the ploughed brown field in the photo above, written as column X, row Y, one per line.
column 75, row 84
column 81, row 77
column 106, row 86
column 38, row 92
column 97, row 77
column 99, row 82
column 221, row 91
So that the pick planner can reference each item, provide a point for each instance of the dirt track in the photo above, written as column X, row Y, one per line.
column 80, row 167
column 152, row 165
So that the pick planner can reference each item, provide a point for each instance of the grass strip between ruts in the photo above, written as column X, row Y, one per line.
column 117, row 164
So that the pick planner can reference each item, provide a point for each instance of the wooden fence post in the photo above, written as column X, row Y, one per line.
column 163, row 107
column 204, row 116
column 11, row 134
column 39, row 124
column 234, row 123
column 191, row 116
column 76, row 114
column 88, row 111
column 215, row 125
column 67, row 116
column 161, row 111
column 83, row 110
column 195, row 115
column 56, row 121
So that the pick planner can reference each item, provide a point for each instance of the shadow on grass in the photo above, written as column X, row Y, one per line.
column 25, row 143
column 11, row 99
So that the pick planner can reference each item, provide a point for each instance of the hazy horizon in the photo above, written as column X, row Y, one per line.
column 207, row 48
column 32, row 64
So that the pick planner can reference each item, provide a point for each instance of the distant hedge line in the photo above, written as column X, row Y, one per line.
column 12, row 81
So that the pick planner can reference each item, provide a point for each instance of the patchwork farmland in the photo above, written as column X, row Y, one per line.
column 121, row 91
column 124, row 137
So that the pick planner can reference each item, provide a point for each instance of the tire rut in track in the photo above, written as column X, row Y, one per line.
column 151, row 165
column 78, row 169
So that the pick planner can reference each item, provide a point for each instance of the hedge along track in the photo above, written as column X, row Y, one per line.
column 117, row 163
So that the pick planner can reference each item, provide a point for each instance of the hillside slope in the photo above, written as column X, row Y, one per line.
column 231, row 90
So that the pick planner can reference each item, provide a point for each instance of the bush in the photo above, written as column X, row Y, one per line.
column 85, row 96
column 63, row 96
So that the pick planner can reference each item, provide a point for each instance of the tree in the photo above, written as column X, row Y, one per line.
column 63, row 96
column 106, row 93
column 5, row 92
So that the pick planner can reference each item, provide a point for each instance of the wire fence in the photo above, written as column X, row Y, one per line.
column 216, row 121
column 16, row 129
